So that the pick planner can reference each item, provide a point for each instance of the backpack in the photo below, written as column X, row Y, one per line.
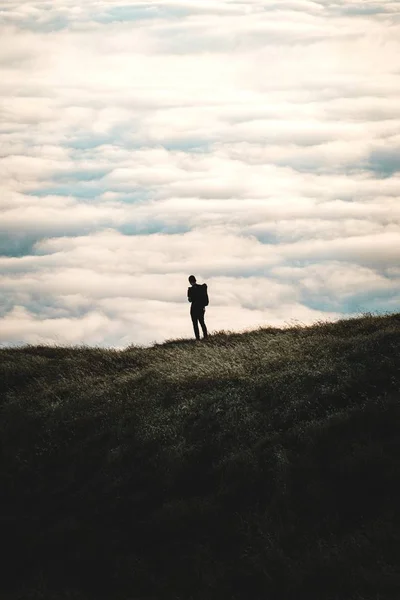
column 203, row 295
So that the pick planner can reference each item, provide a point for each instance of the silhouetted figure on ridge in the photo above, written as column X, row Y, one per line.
column 197, row 295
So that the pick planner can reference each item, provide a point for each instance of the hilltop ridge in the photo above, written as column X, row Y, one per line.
column 250, row 466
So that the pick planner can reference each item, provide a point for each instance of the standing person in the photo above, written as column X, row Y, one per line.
column 197, row 295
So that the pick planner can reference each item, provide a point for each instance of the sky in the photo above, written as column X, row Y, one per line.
column 252, row 143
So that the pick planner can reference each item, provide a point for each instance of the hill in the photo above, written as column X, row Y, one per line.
column 252, row 466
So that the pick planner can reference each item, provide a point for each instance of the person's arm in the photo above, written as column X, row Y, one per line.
column 189, row 294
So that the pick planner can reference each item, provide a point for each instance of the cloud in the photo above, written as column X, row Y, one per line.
column 255, row 144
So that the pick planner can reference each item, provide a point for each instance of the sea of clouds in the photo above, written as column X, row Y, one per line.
column 255, row 144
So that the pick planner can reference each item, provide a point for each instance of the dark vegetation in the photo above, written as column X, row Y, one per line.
column 252, row 466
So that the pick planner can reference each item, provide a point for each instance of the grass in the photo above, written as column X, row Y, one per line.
column 252, row 466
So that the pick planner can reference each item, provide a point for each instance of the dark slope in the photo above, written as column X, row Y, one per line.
column 256, row 466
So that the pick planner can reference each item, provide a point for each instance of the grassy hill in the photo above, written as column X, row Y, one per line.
column 252, row 466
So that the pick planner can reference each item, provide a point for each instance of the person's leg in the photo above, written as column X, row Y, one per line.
column 195, row 324
column 202, row 323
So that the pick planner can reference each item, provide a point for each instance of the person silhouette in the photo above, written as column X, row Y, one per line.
column 197, row 295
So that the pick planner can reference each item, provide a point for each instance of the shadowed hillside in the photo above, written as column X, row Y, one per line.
column 252, row 466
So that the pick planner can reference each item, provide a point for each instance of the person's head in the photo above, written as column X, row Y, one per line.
column 192, row 280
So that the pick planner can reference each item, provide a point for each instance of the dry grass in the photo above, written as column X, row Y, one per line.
column 253, row 466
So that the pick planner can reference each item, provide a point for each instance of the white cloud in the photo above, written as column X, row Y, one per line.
column 338, row 280
column 259, row 139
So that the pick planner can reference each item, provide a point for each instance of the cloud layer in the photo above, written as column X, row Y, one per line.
column 255, row 144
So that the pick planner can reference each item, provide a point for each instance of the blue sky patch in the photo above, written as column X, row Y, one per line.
column 139, row 12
